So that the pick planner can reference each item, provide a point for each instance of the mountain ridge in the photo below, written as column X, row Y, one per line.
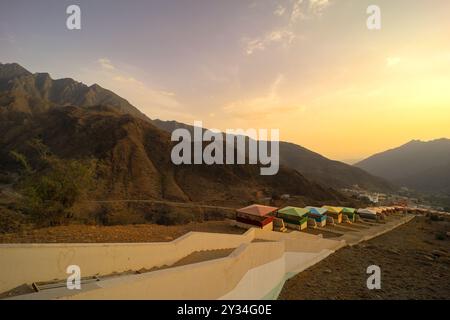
column 420, row 165
column 136, row 158
column 133, row 154
column 21, row 90
column 311, row 164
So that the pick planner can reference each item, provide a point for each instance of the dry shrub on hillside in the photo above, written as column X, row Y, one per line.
column 11, row 221
column 52, row 186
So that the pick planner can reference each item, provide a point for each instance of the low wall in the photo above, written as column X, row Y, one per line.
column 28, row 263
column 255, row 270
column 266, row 281
column 205, row 280
column 259, row 281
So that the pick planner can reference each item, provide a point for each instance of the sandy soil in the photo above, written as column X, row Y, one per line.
column 414, row 261
column 127, row 233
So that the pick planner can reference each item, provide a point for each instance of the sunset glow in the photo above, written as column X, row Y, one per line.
column 311, row 69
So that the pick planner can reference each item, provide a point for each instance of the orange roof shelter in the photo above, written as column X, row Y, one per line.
column 256, row 215
column 257, row 210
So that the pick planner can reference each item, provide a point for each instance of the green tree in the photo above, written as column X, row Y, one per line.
column 52, row 187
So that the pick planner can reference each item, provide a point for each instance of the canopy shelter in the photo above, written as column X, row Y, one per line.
column 367, row 213
column 378, row 210
column 257, row 210
column 350, row 213
column 390, row 209
column 381, row 211
column 318, row 214
column 334, row 212
column 294, row 217
column 400, row 209
column 256, row 215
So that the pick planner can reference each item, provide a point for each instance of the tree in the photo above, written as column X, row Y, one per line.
column 52, row 187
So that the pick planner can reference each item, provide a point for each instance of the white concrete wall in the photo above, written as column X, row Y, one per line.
column 27, row 263
column 252, row 271
column 205, row 280
column 259, row 281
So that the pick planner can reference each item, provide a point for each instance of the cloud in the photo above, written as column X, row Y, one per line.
column 262, row 106
column 297, row 12
column 106, row 64
column 151, row 100
column 283, row 36
column 318, row 6
column 129, row 80
column 307, row 9
column 279, row 11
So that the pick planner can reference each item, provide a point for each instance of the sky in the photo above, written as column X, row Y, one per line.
column 310, row 68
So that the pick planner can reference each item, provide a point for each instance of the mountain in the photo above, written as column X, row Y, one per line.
column 135, row 156
column 76, row 121
column 420, row 165
column 312, row 165
column 22, row 91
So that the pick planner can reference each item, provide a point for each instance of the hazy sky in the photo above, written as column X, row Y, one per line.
column 310, row 68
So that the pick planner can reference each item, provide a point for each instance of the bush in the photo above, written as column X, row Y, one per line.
column 440, row 236
column 435, row 217
column 11, row 221
column 50, row 192
column 174, row 218
column 214, row 215
column 103, row 216
column 6, row 178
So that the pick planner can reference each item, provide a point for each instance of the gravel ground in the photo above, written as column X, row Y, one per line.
column 414, row 261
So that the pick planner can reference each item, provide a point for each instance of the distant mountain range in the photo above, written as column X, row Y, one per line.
column 94, row 121
column 77, row 121
column 420, row 165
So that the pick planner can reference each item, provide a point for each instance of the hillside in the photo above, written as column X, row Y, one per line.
column 135, row 158
column 136, row 152
column 421, row 165
column 312, row 165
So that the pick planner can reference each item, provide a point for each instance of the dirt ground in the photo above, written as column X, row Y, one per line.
column 414, row 261
column 126, row 233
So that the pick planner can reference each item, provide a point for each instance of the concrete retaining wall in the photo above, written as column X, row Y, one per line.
column 28, row 263
column 252, row 271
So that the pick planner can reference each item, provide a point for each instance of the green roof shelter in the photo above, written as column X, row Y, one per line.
column 350, row 213
column 294, row 217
